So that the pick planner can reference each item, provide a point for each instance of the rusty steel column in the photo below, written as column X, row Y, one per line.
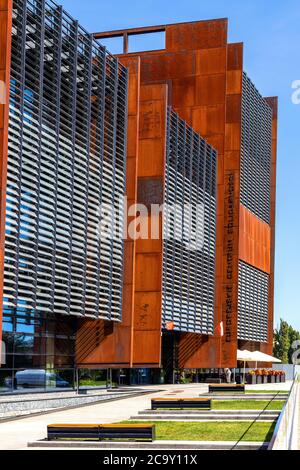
column 5, row 54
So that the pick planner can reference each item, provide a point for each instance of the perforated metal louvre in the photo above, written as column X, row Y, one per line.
column 252, row 303
column 67, row 139
column 189, row 261
column 256, row 151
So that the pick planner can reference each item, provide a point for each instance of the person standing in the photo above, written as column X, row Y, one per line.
column 227, row 375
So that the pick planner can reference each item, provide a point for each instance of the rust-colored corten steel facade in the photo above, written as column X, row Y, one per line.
column 113, row 303
column 135, row 341
column 201, row 76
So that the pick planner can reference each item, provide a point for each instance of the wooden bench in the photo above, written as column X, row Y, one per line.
column 226, row 388
column 128, row 431
column 180, row 403
column 73, row 431
column 213, row 381
column 101, row 431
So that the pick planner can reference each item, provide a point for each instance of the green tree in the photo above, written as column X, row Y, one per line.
column 294, row 335
column 283, row 341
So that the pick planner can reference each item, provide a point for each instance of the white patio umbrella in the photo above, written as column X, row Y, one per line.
column 254, row 356
column 262, row 357
column 245, row 356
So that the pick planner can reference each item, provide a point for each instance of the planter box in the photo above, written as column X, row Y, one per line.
column 251, row 379
column 258, row 379
column 282, row 378
column 277, row 378
column 265, row 379
column 271, row 379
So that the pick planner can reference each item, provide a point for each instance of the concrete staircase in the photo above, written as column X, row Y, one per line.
column 206, row 415
column 246, row 396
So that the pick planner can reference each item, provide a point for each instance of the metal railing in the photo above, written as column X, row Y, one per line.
column 285, row 435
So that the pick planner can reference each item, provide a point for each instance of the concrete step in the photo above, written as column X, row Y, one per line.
column 205, row 417
column 167, row 445
column 257, row 396
column 201, row 412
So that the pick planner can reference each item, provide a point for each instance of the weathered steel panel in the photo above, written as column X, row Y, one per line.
column 5, row 58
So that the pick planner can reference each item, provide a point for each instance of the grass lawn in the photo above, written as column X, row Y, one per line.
column 247, row 404
column 217, row 431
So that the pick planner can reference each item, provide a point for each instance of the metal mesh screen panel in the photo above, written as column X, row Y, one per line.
column 67, row 139
column 253, row 297
column 256, row 151
column 189, row 261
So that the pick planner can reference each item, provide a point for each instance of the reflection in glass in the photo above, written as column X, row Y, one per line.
column 24, row 326
column 64, row 361
column 7, row 326
column 8, row 339
column 92, row 378
column 63, row 347
column 35, row 347
column 24, row 344
column 29, row 361
column 34, row 378
column 60, row 378
column 5, row 381
column 8, row 361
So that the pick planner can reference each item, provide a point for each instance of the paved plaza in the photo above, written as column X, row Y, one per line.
column 17, row 433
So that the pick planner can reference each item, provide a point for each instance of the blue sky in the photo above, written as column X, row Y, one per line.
column 271, row 35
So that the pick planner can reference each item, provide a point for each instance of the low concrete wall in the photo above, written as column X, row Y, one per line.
column 289, row 370
column 12, row 408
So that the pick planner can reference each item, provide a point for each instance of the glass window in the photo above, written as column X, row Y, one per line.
column 63, row 346
column 7, row 326
column 64, row 361
column 92, row 378
column 30, row 378
column 5, row 381
column 23, row 327
column 60, row 378
column 9, row 360
column 50, row 327
column 8, row 339
column 25, row 344
column 29, row 361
